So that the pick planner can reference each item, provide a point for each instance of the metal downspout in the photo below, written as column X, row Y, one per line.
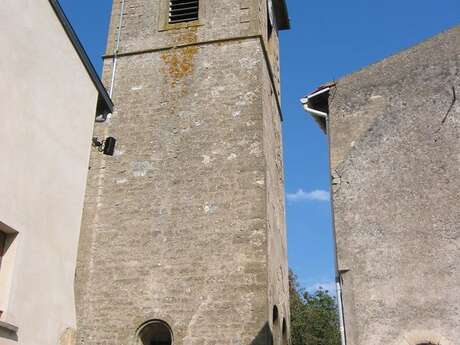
column 343, row 339
column 117, row 47
column 316, row 112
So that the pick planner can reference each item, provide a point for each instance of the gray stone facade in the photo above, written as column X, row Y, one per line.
column 185, row 223
column 395, row 156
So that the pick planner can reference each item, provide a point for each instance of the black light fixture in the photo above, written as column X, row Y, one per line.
column 106, row 146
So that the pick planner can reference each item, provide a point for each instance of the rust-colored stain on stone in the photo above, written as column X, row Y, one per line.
column 179, row 61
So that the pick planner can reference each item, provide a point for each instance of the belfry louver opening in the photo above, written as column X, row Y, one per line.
column 183, row 11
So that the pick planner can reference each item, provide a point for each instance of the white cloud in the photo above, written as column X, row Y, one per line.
column 315, row 195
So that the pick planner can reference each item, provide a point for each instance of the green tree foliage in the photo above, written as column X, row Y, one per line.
column 314, row 318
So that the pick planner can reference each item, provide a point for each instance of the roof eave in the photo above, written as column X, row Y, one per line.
column 317, row 105
column 105, row 103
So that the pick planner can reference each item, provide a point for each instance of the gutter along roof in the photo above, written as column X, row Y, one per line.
column 104, row 103
column 317, row 104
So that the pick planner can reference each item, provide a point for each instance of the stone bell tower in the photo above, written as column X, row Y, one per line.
column 183, row 238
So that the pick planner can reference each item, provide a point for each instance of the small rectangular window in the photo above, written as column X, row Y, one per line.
column 183, row 11
column 7, row 256
column 2, row 246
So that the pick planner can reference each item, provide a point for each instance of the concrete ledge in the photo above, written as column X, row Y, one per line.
column 8, row 326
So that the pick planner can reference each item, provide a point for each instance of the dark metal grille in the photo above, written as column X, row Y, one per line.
column 183, row 10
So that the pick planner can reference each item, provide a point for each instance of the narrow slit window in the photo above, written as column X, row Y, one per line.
column 183, row 11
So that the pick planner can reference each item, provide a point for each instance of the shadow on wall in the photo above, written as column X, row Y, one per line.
column 6, row 334
column 264, row 337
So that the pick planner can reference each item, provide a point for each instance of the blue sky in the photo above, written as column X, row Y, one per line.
column 328, row 39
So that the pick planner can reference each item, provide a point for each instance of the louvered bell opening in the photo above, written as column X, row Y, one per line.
column 183, row 11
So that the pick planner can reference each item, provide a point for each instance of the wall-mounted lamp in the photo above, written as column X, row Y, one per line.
column 106, row 146
column 103, row 117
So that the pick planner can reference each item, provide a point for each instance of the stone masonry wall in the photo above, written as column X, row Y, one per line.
column 278, row 289
column 186, row 222
column 175, row 223
column 395, row 138
column 143, row 29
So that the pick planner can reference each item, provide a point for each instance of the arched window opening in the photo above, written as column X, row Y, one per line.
column 276, row 326
column 270, row 18
column 285, row 333
column 155, row 332
column 275, row 314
